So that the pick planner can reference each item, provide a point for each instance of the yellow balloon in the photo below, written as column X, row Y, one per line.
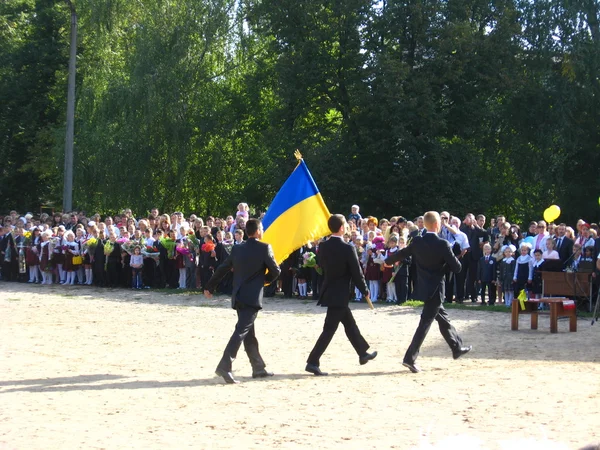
column 552, row 213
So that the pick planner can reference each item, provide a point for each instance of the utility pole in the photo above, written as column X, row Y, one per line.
column 68, row 174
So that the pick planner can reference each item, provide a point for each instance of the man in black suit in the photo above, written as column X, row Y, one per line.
column 340, row 266
column 248, row 262
column 431, row 255
column 564, row 245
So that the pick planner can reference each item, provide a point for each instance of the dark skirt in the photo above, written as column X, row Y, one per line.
column 58, row 258
column 68, row 263
column 31, row 258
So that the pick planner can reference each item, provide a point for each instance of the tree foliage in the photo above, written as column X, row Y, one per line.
column 400, row 106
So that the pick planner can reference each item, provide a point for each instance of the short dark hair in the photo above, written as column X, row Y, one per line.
column 335, row 222
column 538, row 250
column 252, row 226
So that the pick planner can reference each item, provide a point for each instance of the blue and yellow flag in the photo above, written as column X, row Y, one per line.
column 297, row 214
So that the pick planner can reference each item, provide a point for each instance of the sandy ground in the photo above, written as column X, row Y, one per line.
column 110, row 369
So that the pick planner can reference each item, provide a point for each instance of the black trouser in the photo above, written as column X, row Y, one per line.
column 401, row 282
column 472, row 279
column 461, row 277
column 412, row 280
column 491, row 289
column 432, row 310
column 449, row 285
column 334, row 316
column 287, row 281
column 112, row 273
column 244, row 332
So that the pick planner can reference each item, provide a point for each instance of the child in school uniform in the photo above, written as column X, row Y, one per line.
column 538, row 266
column 71, row 249
column 32, row 257
column 58, row 255
column 486, row 275
column 507, row 270
column 360, row 250
column 80, row 239
column 402, row 270
column 372, row 273
column 45, row 264
column 388, row 271
column 208, row 258
column 523, row 274
column 181, row 253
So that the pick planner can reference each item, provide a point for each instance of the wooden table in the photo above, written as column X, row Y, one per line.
column 556, row 310
column 571, row 284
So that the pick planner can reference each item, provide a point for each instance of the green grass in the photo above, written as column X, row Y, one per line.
column 169, row 291
column 487, row 308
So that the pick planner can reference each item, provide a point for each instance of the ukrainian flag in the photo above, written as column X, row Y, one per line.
column 297, row 214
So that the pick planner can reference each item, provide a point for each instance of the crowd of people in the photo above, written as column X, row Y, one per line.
column 499, row 259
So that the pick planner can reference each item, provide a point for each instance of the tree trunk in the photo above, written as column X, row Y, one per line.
column 592, row 20
column 68, row 175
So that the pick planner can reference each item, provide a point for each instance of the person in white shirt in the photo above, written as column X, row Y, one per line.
column 550, row 253
column 541, row 238
column 463, row 241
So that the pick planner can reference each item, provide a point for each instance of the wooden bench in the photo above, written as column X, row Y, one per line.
column 557, row 309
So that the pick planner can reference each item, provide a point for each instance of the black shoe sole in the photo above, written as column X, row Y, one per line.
column 411, row 367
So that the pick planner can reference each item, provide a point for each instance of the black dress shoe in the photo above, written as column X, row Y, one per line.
column 366, row 358
column 315, row 370
column 262, row 374
column 227, row 376
column 461, row 351
column 412, row 367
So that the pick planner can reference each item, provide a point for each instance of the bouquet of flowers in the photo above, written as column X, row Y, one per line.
column 310, row 260
column 122, row 240
column 108, row 249
column 129, row 246
column 151, row 252
column 192, row 241
column 53, row 243
column 89, row 246
column 169, row 244
column 182, row 250
column 208, row 247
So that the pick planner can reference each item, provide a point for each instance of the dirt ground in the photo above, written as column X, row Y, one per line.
column 110, row 369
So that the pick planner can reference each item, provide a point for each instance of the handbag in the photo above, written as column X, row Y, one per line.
column 77, row 260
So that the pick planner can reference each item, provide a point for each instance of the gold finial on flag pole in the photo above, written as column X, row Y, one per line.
column 298, row 155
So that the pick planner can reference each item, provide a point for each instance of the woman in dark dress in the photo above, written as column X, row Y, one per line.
column 99, row 261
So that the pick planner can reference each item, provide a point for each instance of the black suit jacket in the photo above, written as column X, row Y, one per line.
column 417, row 232
column 431, row 254
column 566, row 249
column 340, row 265
column 249, row 262
column 486, row 270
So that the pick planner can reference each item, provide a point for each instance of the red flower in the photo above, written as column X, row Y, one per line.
column 208, row 247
